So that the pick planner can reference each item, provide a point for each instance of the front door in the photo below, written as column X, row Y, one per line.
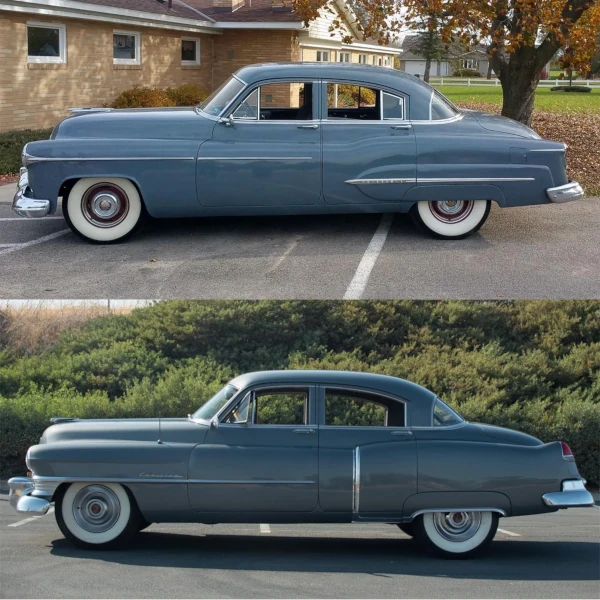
column 369, row 147
column 262, row 456
column 268, row 152
column 367, row 454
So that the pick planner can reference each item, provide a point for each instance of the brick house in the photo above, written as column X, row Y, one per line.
column 57, row 54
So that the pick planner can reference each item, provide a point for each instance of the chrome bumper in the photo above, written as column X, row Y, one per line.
column 566, row 193
column 573, row 494
column 21, row 499
column 24, row 204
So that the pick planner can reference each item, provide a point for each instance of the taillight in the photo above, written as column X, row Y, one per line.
column 566, row 451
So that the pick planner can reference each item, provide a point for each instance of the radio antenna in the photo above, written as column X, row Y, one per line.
column 159, row 429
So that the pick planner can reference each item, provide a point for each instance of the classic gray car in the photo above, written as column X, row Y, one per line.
column 299, row 447
column 295, row 138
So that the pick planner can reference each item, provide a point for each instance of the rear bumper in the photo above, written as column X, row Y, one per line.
column 573, row 494
column 565, row 193
column 21, row 498
column 24, row 204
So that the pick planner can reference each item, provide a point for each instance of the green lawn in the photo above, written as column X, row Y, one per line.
column 545, row 99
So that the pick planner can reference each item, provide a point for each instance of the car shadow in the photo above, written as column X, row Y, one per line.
column 505, row 560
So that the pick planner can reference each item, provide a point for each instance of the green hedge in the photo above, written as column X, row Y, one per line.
column 571, row 88
column 11, row 145
column 532, row 366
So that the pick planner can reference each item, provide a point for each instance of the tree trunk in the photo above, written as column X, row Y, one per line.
column 519, row 74
column 427, row 69
column 490, row 69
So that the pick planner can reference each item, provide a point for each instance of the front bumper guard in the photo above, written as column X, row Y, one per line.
column 565, row 193
column 24, row 204
column 21, row 499
column 573, row 494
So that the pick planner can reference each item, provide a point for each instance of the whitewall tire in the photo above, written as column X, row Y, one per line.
column 103, row 209
column 451, row 220
column 456, row 534
column 97, row 515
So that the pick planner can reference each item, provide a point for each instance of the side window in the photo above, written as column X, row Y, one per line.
column 272, row 406
column 443, row 415
column 345, row 408
column 392, row 106
column 346, row 101
column 277, row 102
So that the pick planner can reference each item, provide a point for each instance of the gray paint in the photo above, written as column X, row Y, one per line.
column 186, row 163
column 253, row 473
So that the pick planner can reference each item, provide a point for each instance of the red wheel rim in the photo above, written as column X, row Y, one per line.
column 105, row 205
column 451, row 211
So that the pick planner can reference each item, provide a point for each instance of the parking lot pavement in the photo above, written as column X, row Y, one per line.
column 534, row 252
column 544, row 556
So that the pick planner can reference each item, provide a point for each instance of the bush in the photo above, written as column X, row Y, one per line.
column 145, row 97
column 11, row 145
column 466, row 73
column 571, row 88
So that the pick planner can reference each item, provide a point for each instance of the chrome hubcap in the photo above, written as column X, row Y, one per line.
column 451, row 211
column 105, row 205
column 457, row 526
column 96, row 508
column 450, row 207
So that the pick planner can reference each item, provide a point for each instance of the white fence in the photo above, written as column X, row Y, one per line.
column 483, row 82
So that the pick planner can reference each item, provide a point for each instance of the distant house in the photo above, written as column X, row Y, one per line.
column 475, row 59
column 56, row 54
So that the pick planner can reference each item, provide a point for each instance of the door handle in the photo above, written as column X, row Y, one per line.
column 402, row 432
column 304, row 430
column 313, row 126
column 403, row 126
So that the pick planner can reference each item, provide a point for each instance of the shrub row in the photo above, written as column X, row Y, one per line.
column 11, row 145
column 145, row 97
column 571, row 88
column 533, row 366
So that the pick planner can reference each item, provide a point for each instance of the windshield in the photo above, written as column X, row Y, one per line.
column 207, row 411
column 441, row 107
column 222, row 96
column 443, row 415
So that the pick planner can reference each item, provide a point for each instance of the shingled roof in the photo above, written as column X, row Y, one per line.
column 178, row 8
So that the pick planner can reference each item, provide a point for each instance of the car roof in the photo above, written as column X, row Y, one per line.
column 419, row 91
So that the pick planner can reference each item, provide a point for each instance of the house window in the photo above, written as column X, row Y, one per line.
column 470, row 63
column 345, row 57
column 126, row 48
column 46, row 43
column 322, row 56
column 190, row 51
column 363, row 59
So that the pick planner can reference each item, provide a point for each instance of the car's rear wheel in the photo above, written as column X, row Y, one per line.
column 451, row 219
column 407, row 528
column 456, row 534
column 97, row 516
column 104, row 210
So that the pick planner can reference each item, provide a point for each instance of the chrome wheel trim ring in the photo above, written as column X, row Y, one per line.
column 451, row 211
column 457, row 526
column 105, row 205
column 96, row 508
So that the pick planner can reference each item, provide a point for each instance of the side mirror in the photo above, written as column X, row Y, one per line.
column 214, row 423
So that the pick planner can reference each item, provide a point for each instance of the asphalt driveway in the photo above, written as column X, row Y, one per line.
column 534, row 252
column 543, row 556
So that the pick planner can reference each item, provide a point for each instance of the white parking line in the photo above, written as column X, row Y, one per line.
column 264, row 528
column 361, row 277
column 30, row 219
column 511, row 533
column 41, row 240
column 19, row 523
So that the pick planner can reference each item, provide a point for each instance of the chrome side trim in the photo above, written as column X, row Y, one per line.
column 254, row 481
column 565, row 193
column 30, row 159
column 548, row 150
column 450, row 510
column 471, row 179
column 573, row 494
column 89, row 109
column 378, row 181
column 356, row 483
column 166, row 479
column 255, row 158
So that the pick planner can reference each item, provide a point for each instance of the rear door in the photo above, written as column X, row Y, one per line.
column 367, row 454
column 262, row 456
column 369, row 147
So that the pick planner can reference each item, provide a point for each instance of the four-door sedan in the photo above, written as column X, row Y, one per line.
column 299, row 447
column 299, row 138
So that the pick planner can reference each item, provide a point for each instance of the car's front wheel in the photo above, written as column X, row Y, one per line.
column 103, row 210
column 451, row 219
column 97, row 516
column 456, row 534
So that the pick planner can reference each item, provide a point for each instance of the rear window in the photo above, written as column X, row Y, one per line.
column 444, row 416
column 441, row 107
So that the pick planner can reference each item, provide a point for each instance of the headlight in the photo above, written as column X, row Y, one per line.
column 24, row 156
column 27, row 462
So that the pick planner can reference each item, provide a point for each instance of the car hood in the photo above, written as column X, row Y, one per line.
column 124, row 430
column 137, row 123
column 502, row 124
column 509, row 436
